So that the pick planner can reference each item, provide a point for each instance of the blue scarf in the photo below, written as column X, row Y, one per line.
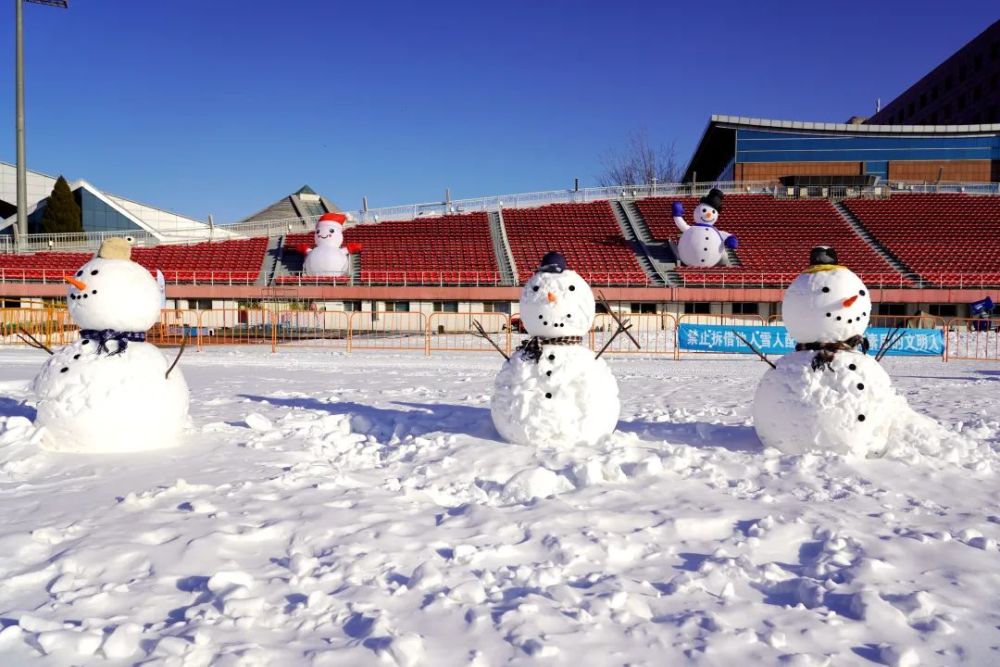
column 102, row 336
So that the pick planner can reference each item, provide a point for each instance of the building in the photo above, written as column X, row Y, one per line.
column 963, row 90
column 102, row 211
column 303, row 205
column 740, row 149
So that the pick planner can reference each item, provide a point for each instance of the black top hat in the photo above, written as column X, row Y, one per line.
column 553, row 262
column 822, row 254
column 713, row 199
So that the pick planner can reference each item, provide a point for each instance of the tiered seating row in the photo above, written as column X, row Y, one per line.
column 226, row 262
column 586, row 234
column 446, row 250
column 937, row 235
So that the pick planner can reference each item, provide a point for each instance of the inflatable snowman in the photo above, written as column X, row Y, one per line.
column 701, row 244
column 109, row 391
column 552, row 391
column 329, row 257
column 828, row 395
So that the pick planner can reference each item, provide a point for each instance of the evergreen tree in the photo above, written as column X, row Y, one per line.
column 62, row 213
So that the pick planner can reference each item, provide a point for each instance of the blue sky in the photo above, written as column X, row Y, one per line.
column 223, row 106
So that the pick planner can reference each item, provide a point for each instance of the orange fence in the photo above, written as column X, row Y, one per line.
column 965, row 339
column 973, row 339
column 50, row 326
column 387, row 330
column 454, row 332
column 656, row 333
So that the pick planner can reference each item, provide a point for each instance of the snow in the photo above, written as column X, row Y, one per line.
column 96, row 402
column 333, row 509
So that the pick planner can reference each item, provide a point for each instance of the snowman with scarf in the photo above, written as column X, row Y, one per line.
column 330, row 255
column 701, row 244
column 830, row 395
column 553, row 391
column 111, row 391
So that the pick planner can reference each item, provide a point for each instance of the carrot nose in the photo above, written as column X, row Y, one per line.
column 82, row 286
column 850, row 302
column 552, row 298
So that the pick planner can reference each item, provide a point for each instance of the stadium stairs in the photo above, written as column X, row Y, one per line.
column 868, row 238
column 270, row 262
column 662, row 254
column 501, row 248
column 639, row 247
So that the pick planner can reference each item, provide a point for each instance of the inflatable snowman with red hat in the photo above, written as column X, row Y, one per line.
column 330, row 255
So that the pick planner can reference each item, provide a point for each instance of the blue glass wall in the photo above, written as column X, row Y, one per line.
column 875, row 151
column 98, row 216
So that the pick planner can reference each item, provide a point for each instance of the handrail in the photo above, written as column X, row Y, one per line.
column 279, row 226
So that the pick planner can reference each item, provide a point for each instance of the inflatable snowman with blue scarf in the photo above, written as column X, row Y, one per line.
column 701, row 244
column 111, row 391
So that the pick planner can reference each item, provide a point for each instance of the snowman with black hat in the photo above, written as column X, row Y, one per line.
column 702, row 244
column 553, row 391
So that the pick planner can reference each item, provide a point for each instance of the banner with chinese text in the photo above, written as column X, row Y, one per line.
column 775, row 339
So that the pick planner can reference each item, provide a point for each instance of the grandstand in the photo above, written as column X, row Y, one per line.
column 913, row 248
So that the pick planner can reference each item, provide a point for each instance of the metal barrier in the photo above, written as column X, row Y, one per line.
column 387, row 330
column 175, row 326
column 236, row 326
column 453, row 332
column 312, row 328
column 972, row 339
column 50, row 326
column 656, row 332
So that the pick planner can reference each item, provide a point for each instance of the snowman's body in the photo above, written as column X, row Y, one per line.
column 564, row 396
column 701, row 244
column 96, row 402
column 846, row 408
column 838, row 400
column 328, row 257
column 111, row 396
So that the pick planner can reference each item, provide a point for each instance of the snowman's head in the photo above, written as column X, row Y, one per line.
column 330, row 230
column 709, row 207
column 113, row 292
column 827, row 303
column 556, row 301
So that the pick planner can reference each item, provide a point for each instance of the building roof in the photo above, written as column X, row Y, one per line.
column 717, row 146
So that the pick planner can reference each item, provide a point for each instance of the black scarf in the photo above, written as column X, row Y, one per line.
column 531, row 348
column 102, row 336
column 826, row 351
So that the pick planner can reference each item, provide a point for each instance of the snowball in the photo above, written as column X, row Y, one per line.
column 90, row 402
column 258, row 422
column 534, row 483
column 567, row 398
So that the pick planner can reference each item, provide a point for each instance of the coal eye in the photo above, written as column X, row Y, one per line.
column 572, row 288
column 535, row 288
column 94, row 272
column 826, row 289
column 79, row 273
column 862, row 292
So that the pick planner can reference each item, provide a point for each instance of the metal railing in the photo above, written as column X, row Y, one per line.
column 279, row 226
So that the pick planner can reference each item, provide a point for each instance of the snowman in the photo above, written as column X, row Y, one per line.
column 111, row 391
column 701, row 244
column 330, row 256
column 552, row 390
column 829, row 395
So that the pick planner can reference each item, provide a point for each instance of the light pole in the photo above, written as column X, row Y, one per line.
column 21, row 229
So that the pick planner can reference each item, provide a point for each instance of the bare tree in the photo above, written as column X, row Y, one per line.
column 637, row 162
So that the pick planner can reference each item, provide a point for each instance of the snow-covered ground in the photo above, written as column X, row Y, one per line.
column 352, row 510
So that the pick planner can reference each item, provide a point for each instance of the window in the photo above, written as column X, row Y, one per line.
column 746, row 308
column 352, row 306
column 923, row 100
column 697, row 308
column 977, row 62
column 397, row 306
column 944, row 310
column 977, row 93
column 890, row 309
column 199, row 304
column 497, row 307
column 961, row 73
column 7, row 303
column 445, row 306
column 642, row 308
column 961, row 102
column 910, row 109
column 934, row 93
column 949, row 83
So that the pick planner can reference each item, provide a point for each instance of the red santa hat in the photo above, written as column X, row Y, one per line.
column 338, row 218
